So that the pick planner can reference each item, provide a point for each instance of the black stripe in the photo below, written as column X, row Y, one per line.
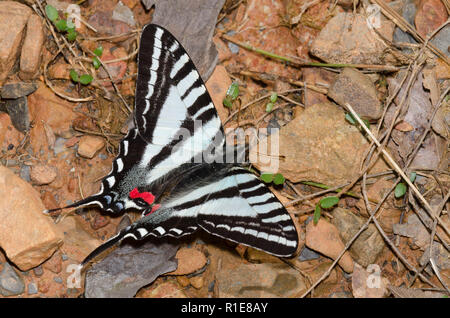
column 198, row 83
column 202, row 101
column 255, row 193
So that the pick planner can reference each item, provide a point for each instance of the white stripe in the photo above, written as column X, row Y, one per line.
column 262, row 209
column 263, row 235
column 251, row 232
column 273, row 238
column 157, row 43
column 150, row 151
column 288, row 228
column 111, row 180
column 130, row 235
column 202, row 110
column 224, row 226
column 155, row 64
column 260, row 198
column 194, row 95
column 276, row 219
column 125, row 148
column 291, row 243
column 177, row 231
column 252, row 188
column 152, row 81
column 142, row 231
column 179, row 64
column 187, row 82
column 174, row 47
column 119, row 164
column 160, row 230
column 238, row 229
column 159, row 33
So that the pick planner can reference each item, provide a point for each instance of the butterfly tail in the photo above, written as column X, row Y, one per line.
column 95, row 199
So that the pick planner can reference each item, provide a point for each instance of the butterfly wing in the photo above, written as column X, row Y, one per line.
column 233, row 204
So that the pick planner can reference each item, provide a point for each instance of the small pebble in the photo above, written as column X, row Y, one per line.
column 102, row 156
column 64, row 257
column 32, row 289
column 58, row 280
column 196, row 282
column 38, row 271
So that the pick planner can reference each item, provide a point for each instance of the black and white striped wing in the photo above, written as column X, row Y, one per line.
column 172, row 102
column 237, row 207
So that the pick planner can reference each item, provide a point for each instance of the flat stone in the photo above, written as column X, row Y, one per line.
column 369, row 244
column 356, row 88
column 27, row 236
column 18, row 111
column 348, row 39
column 331, row 156
column 89, row 145
column 16, row 90
column 43, row 174
column 11, row 284
column 264, row 280
column 190, row 260
column 13, row 19
column 30, row 58
column 324, row 238
column 217, row 86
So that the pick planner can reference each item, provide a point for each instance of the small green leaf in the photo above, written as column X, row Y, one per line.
column 51, row 12
column 61, row 25
column 267, row 177
column 366, row 122
column 349, row 117
column 96, row 62
column 413, row 176
column 233, row 91
column 269, row 107
column 278, row 178
column 99, row 51
column 400, row 190
column 328, row 202
column 273, row 97
column 85, row 79
column 352, row 120
column 317, row 213
column 227, row 102
column 71, row 35
column 74, row 76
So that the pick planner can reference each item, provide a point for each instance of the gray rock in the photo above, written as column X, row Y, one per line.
column 307, row 255
column 18, row 111
column 123, row 13
column 369, row 244
column 193, row 27
column 38, row 271
column 11, row 283
column 16, row 90
column 128, row 268
column 25, row 173
column 356, row 88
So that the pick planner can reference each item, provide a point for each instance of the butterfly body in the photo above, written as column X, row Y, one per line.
column 176, row 156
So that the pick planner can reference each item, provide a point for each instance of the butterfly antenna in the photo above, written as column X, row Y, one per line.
column 87, row 201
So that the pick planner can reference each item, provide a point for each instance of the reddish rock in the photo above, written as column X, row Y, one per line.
column 49, row 201
column 59, row 70
column 217, row 86
column 89, row 145
column 43, row 285
column 46, row 107
column 13, row 19
column 54, row 263
column 30, row 57
column 27, row 236
column 196, row 282
column 429, row 16
column 43, row 174
column 189, row 261
column 164, row 290
column 324, row 237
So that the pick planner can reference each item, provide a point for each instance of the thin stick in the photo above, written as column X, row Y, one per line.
column 396, row 167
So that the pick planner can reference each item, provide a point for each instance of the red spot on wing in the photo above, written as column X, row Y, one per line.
column 146, row 196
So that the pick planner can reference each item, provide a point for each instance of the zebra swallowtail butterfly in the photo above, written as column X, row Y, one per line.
column 223, row 199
